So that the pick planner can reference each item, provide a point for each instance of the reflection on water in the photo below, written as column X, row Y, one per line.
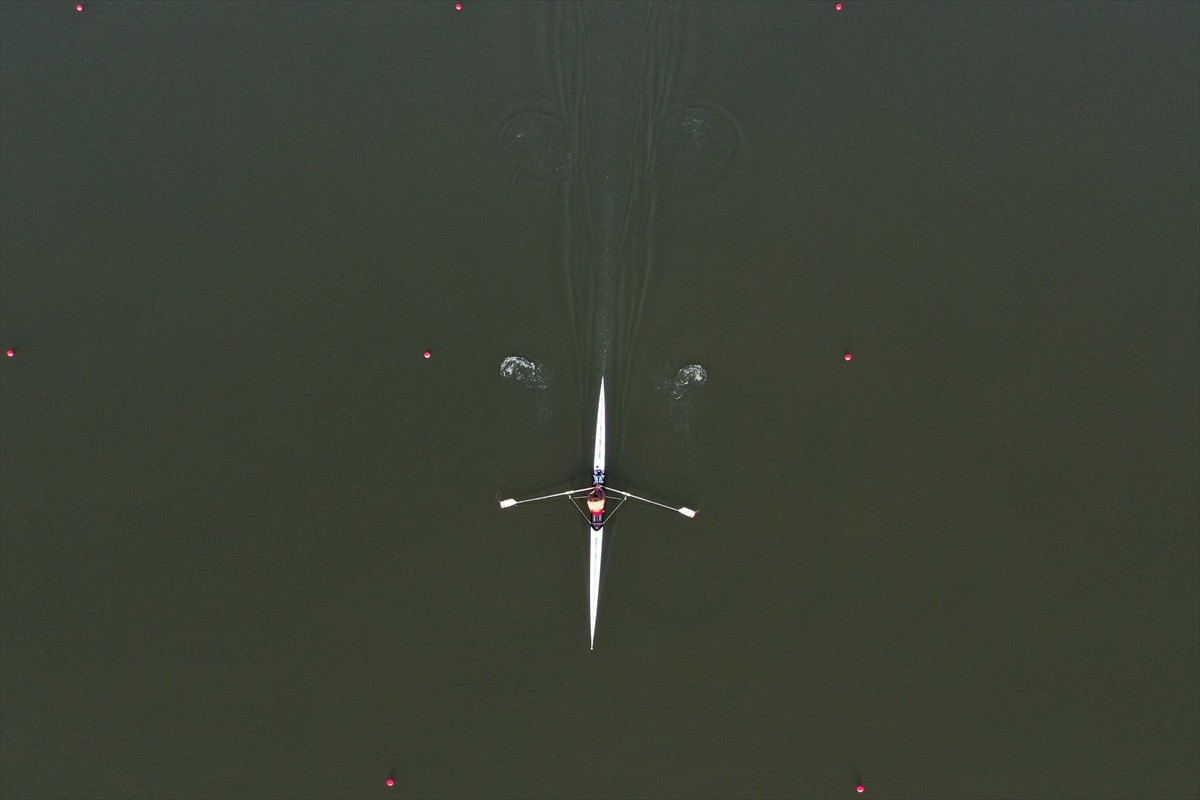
column 538, row 145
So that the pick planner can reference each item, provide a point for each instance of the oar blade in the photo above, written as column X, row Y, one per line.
column 509, row 503
column 690, row 513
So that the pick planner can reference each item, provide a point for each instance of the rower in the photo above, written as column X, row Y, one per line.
column 595, row 503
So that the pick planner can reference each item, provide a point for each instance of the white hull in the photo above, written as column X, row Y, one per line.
column 597, row 548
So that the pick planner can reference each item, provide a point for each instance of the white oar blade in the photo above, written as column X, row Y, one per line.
column 509, row 503
column 687, row 512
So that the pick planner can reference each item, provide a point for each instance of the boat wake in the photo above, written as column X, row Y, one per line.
column 615, row 138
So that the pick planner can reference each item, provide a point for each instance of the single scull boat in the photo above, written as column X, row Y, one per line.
column 596, row 513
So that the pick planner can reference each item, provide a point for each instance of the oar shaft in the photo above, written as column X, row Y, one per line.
column 510, row 502
column 687, row 512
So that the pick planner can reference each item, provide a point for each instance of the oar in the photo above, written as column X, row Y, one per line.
column 510, row 502
column 687, row 512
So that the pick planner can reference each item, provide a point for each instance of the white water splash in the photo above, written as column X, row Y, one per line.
column 689, row 376
column 525, row 372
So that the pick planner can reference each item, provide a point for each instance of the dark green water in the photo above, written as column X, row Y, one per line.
column 249, row 543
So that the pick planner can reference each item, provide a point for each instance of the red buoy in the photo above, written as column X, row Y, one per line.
column 860, row 788
column 428, row 354
column 848, row 356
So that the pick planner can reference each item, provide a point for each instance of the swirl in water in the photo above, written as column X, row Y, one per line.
column 695, row 143
column 692, row 374
column 524, row 372
column 540, row 146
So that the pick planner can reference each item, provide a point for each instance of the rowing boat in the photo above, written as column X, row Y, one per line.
column 596, row 521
